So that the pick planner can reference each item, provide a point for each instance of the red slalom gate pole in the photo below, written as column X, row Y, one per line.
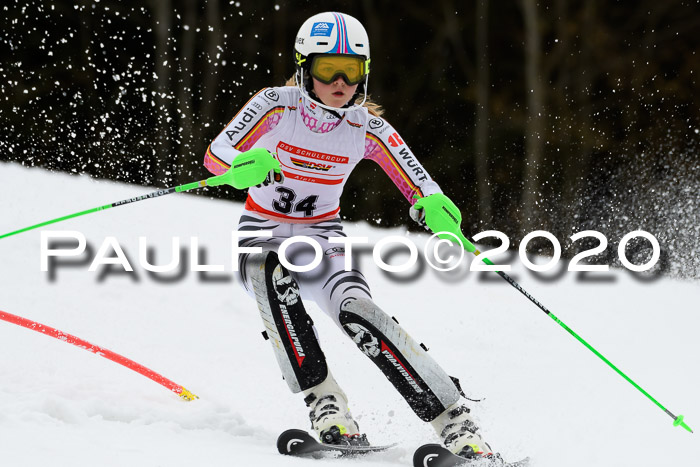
column 102, row 352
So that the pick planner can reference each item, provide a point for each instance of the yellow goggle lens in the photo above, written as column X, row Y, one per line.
column 327, row 68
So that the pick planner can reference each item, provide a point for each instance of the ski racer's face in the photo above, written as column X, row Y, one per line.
column 336, row 94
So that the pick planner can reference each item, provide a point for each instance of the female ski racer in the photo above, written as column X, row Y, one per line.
column 311, row 133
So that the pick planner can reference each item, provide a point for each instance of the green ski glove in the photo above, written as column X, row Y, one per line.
column 250, row 168
column 440, row 214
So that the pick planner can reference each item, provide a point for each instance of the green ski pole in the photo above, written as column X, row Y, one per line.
column 254, row 173
column 444, row 218
column 154, row 194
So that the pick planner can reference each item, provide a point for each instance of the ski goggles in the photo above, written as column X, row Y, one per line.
column 327, row 68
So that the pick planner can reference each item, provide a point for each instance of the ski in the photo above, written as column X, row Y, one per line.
column 436, row 455
column 300, row 443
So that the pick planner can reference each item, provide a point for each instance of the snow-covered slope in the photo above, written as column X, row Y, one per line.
column 546, row 396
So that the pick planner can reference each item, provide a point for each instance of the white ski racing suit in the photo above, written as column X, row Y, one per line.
column 317, row 151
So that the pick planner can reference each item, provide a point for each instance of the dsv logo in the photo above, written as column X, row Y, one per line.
column 375, row 123
column 272, row 95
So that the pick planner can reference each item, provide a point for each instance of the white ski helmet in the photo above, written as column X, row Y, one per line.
column 331, row 33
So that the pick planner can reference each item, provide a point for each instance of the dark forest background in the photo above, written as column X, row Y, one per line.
column 559, row 115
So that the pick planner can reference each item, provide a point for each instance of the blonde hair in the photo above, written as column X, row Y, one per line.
column 372, row 107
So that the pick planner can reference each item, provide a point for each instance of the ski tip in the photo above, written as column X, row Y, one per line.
column 437, row 455
column 295, row 442
column 428, row 454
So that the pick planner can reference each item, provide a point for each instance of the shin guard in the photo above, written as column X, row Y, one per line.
column 288, row 327
column 418, row 378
